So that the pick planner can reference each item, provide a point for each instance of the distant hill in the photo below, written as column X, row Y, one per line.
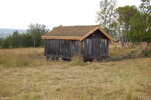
column 6, row 32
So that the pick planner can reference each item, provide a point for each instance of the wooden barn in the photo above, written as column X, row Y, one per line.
column 91, row 42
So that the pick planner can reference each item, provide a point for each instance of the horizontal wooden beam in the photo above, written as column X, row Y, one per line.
column 61, row 37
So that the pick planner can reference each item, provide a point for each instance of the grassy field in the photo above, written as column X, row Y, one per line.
column 26, row 75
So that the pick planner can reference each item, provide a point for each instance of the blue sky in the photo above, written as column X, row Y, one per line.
column 20, row 13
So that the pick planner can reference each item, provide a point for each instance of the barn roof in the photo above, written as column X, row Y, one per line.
column 74, row 32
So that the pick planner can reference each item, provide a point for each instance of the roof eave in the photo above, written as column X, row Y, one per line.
column 79, row 37
column 61, row 37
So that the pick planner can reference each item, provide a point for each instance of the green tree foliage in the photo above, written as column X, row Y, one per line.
column 6, row 43
column 125, row 14
column 137, row 27
column 146, row 37
column 129, row 22
column 106, row 17
column 26, row 40
column 15, row 39
column 145, row 8
column 1, row 41
column 36, row 31
column 136, row 22
column 30, row 39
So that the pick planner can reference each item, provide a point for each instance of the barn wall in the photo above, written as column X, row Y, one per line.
column 61, row 48
column 95, row 49
column 95, row 46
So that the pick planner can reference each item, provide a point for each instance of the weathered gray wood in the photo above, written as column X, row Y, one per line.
column 94, row 47
column 61, row 48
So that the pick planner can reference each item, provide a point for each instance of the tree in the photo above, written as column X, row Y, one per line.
column 6, row 43
column 1, row 41
column 124, row 16
column 15, row 39
column 136, row 22
column 36, row 31
column 137, row 27
column 107, row 16
column 146, row 37
column 26, row 40
column 145, row 8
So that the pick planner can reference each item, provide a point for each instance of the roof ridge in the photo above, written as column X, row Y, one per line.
column 76, row 25
column 74, row 31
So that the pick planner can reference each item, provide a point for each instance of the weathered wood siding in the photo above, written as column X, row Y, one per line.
column 61, row 48
column 95, row 46
column 95, row 49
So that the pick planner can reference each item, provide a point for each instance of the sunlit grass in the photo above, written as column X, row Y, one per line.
column 21, row 57
column 26, row 75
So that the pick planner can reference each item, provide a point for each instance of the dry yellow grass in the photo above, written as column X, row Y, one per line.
column 25, row 75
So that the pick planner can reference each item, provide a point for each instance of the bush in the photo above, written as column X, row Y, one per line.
column 147, row 51
column 141, row 52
